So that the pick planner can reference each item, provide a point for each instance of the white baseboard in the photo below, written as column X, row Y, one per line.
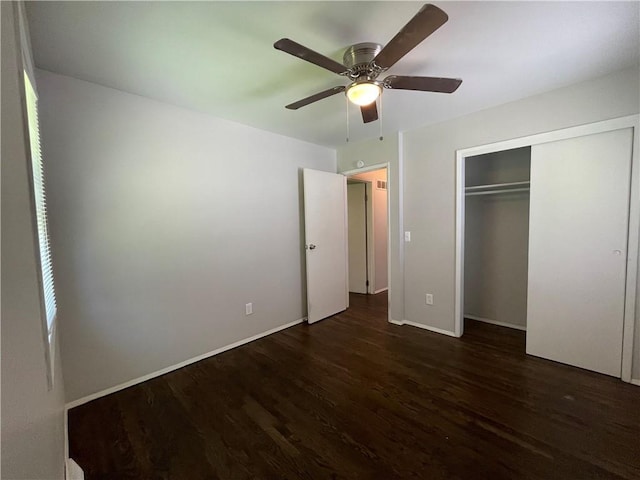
column 494, row 322
column 635, row 381
column 149, row 376
column 424, row 327
column 73, row 470
column 431, row 329
column 381, row 290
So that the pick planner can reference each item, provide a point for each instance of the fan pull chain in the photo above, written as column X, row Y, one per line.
column 381, row 118
column 347, row 110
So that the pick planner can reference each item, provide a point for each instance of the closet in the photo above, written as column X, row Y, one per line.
column 579, row 224
column 546, row 232
column 497, row 237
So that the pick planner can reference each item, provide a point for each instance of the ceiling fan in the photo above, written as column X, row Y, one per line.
column 364, row 62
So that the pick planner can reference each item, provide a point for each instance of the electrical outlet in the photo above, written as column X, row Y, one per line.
column 429, row 299
column 407, row 236
column 248, row 309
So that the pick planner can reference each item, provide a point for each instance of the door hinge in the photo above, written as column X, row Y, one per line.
column 367, row 283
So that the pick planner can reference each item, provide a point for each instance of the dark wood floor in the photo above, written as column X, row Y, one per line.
column 354, row 397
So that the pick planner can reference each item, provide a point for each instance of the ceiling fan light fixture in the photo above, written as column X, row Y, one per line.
column 363, row 93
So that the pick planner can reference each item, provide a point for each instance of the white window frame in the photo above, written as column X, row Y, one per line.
column 42, row 244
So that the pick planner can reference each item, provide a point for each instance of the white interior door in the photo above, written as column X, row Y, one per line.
column 579, row 212
column 357, row 237
column 325, row 212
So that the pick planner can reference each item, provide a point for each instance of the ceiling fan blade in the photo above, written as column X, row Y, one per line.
column 300, row 51
column 315, row 98
column 423, row 24
column 369, row 112
column 425, row 84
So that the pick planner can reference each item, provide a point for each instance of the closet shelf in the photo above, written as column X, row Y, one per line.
column 497, row 188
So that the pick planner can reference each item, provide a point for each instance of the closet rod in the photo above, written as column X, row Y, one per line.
column 496, row 186
column 494, row 192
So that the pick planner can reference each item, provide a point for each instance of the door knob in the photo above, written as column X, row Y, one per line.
column 312, row 246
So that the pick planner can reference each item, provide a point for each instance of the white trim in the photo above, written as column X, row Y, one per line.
column 381, row 290
column 635, row 381
column 400, row 231
column 495, row 322
column 427, row 327
column 345, row 225
column 630, row 121
column 73, row 470
column 158, row 373
column 368, row 168
column 458, row 312
column 396, row 322
column 628, row 332
column 552, row 136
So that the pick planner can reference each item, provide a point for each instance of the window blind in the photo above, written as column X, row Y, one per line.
column 48, row 289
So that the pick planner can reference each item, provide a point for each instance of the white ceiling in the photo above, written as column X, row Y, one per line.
column 217, row 57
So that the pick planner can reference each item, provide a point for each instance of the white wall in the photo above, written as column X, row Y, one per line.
column 164, row 223
column 32, row 416
column 380, row 234
column 429, row 195
column 497, row 239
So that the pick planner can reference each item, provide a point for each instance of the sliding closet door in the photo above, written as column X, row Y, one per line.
column 579, row 208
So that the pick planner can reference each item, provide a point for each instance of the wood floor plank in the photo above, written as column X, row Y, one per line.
column 354, row 397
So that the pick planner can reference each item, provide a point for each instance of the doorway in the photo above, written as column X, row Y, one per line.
column 360, row 235
column 368, row 226
column 496, row 237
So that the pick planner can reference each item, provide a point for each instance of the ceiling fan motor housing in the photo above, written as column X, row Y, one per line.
column 357, row 58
